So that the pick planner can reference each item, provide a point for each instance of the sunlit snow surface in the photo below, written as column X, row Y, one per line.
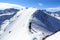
column 16, row 27
column 55, row 36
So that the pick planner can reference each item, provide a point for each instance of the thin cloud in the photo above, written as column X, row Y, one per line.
column 8, row 5
column 53, row 9
column 40, row 4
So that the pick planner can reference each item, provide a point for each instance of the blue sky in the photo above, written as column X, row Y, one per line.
column 40, row 4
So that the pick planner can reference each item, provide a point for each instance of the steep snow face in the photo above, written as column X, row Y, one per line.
column 50, row 23
column 44, row 23
column 19, row 28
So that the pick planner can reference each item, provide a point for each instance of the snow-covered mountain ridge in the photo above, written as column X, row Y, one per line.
column 16, row 25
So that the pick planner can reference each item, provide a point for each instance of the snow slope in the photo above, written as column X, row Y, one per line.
column 45, row 23
column 55, row 36
column 17, row 27
column 19, row 30
column 5, row 16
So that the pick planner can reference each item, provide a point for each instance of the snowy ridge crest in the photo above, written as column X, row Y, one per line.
column 15, row 25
